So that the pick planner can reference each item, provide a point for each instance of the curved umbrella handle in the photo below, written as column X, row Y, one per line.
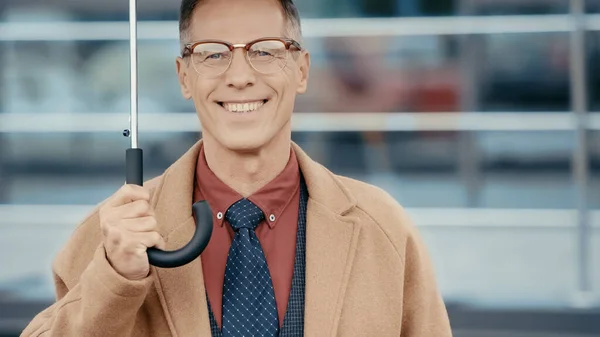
column 135, row 173
column 201, row 210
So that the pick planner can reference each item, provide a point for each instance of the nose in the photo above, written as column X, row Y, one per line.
column 240, row 73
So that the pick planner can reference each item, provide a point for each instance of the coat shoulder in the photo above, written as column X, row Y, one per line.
column 380, row 211
column 78, row 251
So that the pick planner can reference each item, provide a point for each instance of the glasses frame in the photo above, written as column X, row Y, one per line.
column 188, row 49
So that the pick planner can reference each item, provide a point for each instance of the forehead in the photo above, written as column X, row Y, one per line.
column 237, row 21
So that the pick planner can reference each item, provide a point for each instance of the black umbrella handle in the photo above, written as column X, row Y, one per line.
column 134, row 165
column 135, row 173
column 202, row 214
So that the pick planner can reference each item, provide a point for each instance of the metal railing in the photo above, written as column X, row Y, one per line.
column 68, row 216
column 312, row 28
column 579, row 121
column 307, row 122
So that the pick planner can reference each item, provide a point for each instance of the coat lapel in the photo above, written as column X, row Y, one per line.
column 330, row 249
column 181, row 290
column 331, row 242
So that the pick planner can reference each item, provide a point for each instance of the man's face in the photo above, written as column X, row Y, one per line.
column 239, row 22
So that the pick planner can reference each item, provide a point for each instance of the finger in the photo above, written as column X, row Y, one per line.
column 143, row 224
column 127, row 194
column 113, row 237
column 132, row 210
column 150, row 239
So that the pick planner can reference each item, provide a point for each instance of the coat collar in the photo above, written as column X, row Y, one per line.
column 174, row 194
column 331, row 239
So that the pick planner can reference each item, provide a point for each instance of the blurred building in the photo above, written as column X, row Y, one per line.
column 479, row 116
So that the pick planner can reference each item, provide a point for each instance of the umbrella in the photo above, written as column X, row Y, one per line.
column 134, row 172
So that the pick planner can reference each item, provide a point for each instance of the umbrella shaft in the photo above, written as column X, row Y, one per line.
column 133, row 114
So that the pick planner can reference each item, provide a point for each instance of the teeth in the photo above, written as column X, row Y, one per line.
column 243, row 107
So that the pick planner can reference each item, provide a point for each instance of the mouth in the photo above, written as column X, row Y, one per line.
column 242, row 107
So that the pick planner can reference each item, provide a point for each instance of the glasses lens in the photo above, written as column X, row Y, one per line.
column 211, row 59
column 268, row 56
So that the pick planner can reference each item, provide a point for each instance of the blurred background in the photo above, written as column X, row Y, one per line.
column 479, row 116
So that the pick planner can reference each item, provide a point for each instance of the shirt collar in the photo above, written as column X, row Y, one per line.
column 272, row 198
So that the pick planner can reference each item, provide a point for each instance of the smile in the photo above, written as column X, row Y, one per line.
column 241, row 107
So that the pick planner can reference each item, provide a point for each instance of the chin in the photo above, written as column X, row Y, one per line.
column 243, row 142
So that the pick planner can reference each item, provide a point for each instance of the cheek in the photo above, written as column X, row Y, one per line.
column 287, row 83
column 201, row 89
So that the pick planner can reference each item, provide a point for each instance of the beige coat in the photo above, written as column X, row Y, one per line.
column 367, row 270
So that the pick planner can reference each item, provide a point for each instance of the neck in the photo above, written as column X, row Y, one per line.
column 247, row 171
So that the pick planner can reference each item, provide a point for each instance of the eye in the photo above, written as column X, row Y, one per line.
column 261, row 53
column 215, row 56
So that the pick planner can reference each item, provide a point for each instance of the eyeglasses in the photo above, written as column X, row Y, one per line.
column 212, row 58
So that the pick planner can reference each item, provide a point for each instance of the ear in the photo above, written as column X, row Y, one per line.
column 182, row 74
column 303, row 70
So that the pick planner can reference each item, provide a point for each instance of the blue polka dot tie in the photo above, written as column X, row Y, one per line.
column 249, row 307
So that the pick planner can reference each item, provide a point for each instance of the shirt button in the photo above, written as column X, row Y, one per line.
column 220, row 215
column 272, row 217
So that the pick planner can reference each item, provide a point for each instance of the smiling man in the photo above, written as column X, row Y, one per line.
column 296, row 250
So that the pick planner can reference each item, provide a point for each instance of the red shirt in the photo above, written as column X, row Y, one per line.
column 280, row 198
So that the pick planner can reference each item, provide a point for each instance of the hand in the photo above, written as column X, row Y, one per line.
column 129, row 228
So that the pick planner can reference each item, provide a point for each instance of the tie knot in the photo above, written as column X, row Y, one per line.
column 244, row 214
